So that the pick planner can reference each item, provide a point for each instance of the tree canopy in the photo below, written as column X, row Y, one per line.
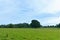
column 33, row 24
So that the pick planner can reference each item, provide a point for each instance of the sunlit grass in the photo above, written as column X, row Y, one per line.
column 29, row 34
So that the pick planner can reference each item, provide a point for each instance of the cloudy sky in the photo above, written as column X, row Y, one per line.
column 20, row 11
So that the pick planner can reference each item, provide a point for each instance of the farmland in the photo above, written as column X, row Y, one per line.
column 29, row 34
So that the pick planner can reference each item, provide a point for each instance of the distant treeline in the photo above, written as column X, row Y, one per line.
column 33, row 24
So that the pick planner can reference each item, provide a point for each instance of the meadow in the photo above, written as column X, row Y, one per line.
column 29, row 34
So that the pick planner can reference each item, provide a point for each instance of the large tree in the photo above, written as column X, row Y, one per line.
column 35, row 24
column 58, row 25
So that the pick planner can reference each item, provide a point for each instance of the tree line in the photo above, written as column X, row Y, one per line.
column 33, row 24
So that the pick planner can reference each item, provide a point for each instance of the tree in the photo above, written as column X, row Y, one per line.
column 22, row 25
column 35, row 24
column 10, row 26
column 58, row 25
column 26, row 25
column 3, row 26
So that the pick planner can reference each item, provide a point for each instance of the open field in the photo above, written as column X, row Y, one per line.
column 29, row 34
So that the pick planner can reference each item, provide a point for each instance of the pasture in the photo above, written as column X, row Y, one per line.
column 29, row 34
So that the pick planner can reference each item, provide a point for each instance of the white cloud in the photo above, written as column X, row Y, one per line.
column 30, row 8
column 53, row 7
column 9, row 6
column 51, row 21
column 44, row 6
column 39, row 5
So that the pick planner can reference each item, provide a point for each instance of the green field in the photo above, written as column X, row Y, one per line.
column 29, row 34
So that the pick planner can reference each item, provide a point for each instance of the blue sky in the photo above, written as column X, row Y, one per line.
column 23, row 11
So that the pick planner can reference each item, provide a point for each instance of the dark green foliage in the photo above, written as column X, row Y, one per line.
column 26, row 25
column 22, row 25
column 3, row 26
column 58, row 25
column 35, row 24
column 10, row 26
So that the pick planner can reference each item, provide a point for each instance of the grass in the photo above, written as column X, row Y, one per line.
column 29, row 34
